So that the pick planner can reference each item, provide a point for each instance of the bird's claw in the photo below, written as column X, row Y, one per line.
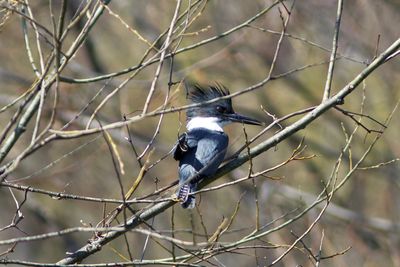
column 175, row 198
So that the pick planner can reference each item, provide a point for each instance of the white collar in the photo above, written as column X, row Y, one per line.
column 210, row 123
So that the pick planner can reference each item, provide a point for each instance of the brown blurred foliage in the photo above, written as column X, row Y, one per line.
column 363, row 214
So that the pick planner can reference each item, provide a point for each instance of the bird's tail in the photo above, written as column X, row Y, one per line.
column 188, row 202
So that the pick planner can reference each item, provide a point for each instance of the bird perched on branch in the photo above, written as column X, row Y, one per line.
column 202, row 148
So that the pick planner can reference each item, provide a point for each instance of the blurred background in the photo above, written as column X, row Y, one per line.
column 364, row 213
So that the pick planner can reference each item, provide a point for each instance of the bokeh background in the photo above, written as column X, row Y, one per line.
column 363, row 215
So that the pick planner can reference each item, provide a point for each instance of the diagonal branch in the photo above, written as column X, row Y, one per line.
column 162, row 57
column 328, row 84
column 154, row 210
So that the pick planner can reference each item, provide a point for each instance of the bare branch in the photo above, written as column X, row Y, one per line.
column 328, row 84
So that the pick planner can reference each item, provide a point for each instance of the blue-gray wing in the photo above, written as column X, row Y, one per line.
column 210, row 152
column 201, row 150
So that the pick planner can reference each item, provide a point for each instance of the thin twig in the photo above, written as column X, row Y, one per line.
column 328, row 84
column 162, row 57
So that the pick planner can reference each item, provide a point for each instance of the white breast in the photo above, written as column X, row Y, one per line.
column 210, row 123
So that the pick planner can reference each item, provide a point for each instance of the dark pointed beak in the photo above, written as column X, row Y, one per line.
column 235, row 117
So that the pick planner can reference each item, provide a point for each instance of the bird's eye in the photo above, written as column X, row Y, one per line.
column 221, row 109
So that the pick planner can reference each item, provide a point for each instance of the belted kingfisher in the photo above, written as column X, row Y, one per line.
column 202, row 148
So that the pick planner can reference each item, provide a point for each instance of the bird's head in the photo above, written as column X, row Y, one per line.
column 220, row 112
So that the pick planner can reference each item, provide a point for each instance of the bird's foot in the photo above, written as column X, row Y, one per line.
column 174, row 197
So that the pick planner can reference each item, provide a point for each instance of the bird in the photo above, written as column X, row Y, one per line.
column 202, row 148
